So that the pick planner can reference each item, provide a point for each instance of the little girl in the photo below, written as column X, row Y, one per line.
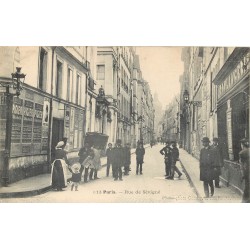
column 76, row 175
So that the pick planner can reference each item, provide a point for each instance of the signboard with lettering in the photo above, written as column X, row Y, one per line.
column 30, row 124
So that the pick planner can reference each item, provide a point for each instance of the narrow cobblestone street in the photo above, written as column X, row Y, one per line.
column 149, row 187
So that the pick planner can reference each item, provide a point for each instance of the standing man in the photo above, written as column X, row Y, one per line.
column 218, row 161
column 140, row 152
column 118, row 160
column 127, row 158
column 166, row 151
column 109, row 159
column 206, row 167
column 244, row 163
column 175, row 158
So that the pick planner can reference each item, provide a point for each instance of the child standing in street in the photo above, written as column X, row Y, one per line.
column 76, row 175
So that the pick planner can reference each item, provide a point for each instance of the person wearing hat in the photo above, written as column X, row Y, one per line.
column 139, row 152
column 167, row 152
column 174, row 159
column 76, row 175
column 59, row 168
column 244, row 166
column 127, row 158
column 206, row 167
column 118, row 160
column 218, row 161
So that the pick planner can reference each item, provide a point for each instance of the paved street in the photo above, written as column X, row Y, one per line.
column 149, row 187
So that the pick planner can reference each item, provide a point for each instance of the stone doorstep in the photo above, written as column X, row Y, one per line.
column 26, row 192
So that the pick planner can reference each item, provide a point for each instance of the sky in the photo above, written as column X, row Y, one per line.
column 161, row 67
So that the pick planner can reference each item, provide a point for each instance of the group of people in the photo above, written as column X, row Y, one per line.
column 89, row 162
column 212, row 160
column 171, row 156
column 118, row 159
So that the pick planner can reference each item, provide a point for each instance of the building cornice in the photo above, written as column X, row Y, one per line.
column 230, row 64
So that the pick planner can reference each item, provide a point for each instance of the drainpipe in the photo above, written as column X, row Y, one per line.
column 86, row 95
column 51, row 108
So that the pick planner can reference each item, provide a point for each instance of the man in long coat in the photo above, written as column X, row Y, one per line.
column 207, row 167
column 218, row 161
column 118, row 160
column 244, row 166
column 166, row 151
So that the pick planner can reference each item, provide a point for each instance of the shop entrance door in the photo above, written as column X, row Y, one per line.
column 57, row 134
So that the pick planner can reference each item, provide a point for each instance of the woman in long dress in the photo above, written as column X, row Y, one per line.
column 59, row 168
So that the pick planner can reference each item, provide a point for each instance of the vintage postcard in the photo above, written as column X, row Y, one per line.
column 124, row 124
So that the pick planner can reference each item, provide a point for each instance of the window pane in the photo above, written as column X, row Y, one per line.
column 100, row 72
column 43, row 69
column 58, row 78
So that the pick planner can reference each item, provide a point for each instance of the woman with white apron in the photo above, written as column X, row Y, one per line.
column 59, row 168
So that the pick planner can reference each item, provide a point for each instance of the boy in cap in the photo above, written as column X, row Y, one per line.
column 206, row 167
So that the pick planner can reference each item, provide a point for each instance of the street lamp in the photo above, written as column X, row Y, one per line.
column 186, row 99
column 16, row 84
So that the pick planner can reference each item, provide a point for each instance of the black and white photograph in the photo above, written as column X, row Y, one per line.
column 124, row 124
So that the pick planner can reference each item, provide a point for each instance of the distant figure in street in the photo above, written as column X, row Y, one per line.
column 118, row 160
column 244, row 162
column 83, row 154
column 59, row 168
column 206, row 167
column 127, row 158
column 76, row 175
column 151, row 143
column 174, row 159
column 140, row 152
column 167, row 152
column 218, row 161
column 109, row 159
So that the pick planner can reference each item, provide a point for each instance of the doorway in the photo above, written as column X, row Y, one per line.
column 57, row 134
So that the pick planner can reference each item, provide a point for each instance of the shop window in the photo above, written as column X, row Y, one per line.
column 58, row 78
column 78, row 89
column 69, row 85
column 43, row 69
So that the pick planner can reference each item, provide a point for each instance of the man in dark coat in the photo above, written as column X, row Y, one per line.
column 127, row 158
column 166, row 151
column 140, row 152
column 175, row 158
column 244, row 164
column 109, row 159
column 206, row 167
column 118, row 160
column 218, row 161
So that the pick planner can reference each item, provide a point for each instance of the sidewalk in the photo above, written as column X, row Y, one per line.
column 192, row 171
column 38, row 184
